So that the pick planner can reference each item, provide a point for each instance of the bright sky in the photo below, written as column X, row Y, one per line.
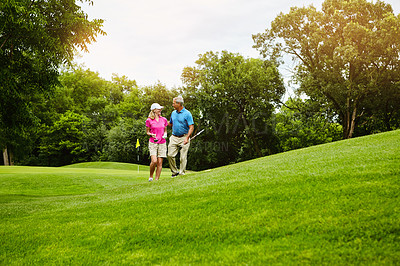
column 151, row 41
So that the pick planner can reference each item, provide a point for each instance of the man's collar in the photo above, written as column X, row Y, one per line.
column 180, row 110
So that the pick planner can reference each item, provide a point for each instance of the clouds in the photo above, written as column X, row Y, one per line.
column 154, row 40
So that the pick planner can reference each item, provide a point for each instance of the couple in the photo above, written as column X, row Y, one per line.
column 182, row 127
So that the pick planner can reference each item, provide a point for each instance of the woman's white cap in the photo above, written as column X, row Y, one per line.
column 156, row 106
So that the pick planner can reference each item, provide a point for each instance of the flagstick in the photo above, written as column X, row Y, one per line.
column 137, row 147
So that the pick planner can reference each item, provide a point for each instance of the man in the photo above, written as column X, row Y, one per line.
column 182, row 127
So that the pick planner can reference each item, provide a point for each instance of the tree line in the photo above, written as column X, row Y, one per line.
column 347, row 71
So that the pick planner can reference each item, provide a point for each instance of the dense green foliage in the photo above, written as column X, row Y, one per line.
column 348, row 56
column 105, row 124
column 91, row 119
column 88, row 119
column 52, row 117
column 234, row 102
column 36, row 38
column 332, row 204
column 303, row 123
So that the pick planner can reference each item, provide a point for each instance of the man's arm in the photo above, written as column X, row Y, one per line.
column 170, row 121
column 191, row 128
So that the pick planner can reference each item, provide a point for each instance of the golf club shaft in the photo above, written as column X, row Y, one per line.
column 201, row 131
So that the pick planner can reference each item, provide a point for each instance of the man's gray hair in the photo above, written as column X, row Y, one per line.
column 179, row 99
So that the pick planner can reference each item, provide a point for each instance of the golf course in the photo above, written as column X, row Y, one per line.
column 331, row 204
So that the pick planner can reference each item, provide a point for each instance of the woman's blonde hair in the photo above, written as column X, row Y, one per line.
column 152, row 115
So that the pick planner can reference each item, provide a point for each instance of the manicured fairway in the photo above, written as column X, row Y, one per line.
column 330, row 204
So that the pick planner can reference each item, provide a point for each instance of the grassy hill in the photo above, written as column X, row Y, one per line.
column 336, row 203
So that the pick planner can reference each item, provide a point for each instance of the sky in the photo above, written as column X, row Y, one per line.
column 152, row 41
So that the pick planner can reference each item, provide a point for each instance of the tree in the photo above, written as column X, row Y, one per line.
column 121, row 86
column 36, row 37
column 63, row 142
column 131, row 106
column 84, row 85
column 303, row 123
column 121, row 141
column 157, row 93
column 382, row 112
column 84, row 93
column 234, row 100
column 348, row 53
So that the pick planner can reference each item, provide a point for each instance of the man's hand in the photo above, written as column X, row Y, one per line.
column 186, row 141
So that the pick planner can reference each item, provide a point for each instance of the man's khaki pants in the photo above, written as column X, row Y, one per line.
column 176, row 143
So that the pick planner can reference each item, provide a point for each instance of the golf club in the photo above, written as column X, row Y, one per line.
column 198, row 133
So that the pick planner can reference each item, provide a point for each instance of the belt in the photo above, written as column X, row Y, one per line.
column 180, row 136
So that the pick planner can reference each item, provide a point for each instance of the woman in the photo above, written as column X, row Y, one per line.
column 156, row 127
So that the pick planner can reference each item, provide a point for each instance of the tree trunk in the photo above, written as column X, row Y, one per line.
column 352, row 123
column 346, row 120
column 349, row 124
column 11, row 157
column 5, row 156
column 349, row 119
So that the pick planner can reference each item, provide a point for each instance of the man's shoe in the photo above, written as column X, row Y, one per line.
column 150, row 179
column 174, row 175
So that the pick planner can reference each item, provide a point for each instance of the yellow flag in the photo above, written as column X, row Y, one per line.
column 137, row 143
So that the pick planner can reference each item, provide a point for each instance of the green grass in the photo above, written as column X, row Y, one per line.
column 109, row 165
column 330, row 204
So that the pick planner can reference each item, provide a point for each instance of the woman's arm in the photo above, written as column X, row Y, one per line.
column 165, row 133
column 149, row 133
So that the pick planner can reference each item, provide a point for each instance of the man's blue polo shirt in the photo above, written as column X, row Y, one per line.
column 180, row 122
